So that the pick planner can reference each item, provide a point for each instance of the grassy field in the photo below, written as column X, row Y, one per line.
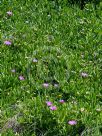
column 50, row 69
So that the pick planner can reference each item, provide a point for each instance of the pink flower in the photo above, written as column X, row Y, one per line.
column 35, row 60
column 9, row 13
column 49, row 103
column 7, row 43
column 61, row 101
column 45, row 84
column 21, row 78
column 72, row 122
column 53, row 108
column 83, row 74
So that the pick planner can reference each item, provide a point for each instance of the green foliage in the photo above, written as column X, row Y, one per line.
column 60, row 46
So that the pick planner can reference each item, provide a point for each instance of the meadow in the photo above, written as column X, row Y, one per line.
column 50, row 69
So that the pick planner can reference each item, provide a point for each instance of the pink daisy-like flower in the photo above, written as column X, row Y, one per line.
column 45, row 84
column 53, row 108
column 61, row 101
column 7, row 43
column 35, row 60
column 72, row 122
column 9, row 13
column 49, row 103
column 21, row 78
column 83, row 74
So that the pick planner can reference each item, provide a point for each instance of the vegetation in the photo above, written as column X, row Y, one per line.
column 51, row 69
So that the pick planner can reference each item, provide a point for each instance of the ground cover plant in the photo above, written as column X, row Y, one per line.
column 50, row 69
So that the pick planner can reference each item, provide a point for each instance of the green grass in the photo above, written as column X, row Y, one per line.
column 66, row 42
